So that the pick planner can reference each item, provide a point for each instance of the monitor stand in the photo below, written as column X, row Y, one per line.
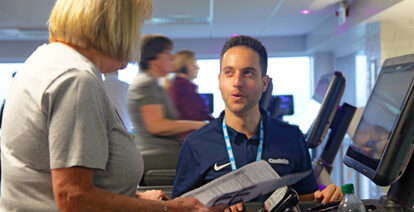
column 322, row 167
column 401, row 193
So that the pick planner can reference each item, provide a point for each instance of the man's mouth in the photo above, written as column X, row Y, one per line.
column 237, row 96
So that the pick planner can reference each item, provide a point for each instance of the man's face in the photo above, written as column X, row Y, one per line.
column 240, row 79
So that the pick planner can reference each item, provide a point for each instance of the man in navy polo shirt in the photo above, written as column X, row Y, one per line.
column 243, row 134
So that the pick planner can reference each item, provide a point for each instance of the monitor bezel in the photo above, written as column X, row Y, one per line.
column 290, row 103
column 319, row 128
column 394, row 159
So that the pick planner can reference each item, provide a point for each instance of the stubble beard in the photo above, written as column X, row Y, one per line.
column 242, row 107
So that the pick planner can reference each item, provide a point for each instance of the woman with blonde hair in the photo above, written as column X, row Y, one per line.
column 64, row 148
column 183, row 92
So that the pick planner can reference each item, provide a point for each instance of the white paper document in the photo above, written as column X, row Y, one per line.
column 244, row 184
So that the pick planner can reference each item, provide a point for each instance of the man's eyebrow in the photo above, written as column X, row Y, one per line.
column 249, row 69
column 227, row 68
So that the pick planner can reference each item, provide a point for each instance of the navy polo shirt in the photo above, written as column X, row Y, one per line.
column 203, row 155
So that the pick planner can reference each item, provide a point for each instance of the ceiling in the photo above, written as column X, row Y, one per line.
column 21, row 20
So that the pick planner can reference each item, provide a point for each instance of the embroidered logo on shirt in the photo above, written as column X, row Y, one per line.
column 279, row 161
column 218, row 168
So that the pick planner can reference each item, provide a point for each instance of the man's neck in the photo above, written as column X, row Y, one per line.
column 246, row 123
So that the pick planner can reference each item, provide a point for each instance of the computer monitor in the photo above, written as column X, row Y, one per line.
column 281, row 105
column 334, row 92
column 383, row 141
column 315, row 102
column 209, row 100
column 286, row 105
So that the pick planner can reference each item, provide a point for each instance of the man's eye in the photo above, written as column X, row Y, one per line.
column 249, row 73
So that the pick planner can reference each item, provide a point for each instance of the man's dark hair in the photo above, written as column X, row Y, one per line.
column 151, row 46
column 250, row 42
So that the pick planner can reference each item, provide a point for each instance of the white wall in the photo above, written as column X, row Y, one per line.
column 329, row 36
column 17, row 51
column 323, row 63
column 397, row 37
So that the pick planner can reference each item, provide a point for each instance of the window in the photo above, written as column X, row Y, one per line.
column 6, row 71
column 207, row 81
column 128, row 74
column 361, row 80
column 291, row 75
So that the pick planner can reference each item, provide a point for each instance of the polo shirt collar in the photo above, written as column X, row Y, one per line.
column 233, row 134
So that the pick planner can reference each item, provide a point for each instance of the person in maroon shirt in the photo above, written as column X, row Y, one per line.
column 183, row 92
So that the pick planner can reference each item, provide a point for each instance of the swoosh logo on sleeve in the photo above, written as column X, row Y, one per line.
column 218, row 168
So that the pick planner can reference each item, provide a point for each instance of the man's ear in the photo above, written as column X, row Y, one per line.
column 265, row 81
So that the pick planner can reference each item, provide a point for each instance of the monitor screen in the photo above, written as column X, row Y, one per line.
column 286, row 106
column 281, row 105
column 322, row 87
column 374, row 128
column 209, row 100
column 315, row 103
column 334, row 92
column 376, row 133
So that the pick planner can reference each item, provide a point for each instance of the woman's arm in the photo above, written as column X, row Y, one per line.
column 74, row 190
column 156, row 123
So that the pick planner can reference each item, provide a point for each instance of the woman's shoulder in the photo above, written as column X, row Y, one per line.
column 54, row 64
column 143, row 79
column 180, row 85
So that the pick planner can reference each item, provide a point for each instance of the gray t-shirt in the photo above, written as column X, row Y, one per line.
column 57, row 115
column 144, row 90
column 117, row 93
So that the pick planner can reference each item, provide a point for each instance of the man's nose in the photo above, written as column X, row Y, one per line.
column 237, row 80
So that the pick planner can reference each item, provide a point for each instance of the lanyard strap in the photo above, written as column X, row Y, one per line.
column 230, row 149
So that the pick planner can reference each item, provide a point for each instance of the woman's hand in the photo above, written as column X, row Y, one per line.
column 151, row 195
column 235, row 208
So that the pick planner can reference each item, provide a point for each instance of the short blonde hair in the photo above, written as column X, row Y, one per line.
column 112, row 27
column 181, row 59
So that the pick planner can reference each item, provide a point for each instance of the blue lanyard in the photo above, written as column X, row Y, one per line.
column 230, row 150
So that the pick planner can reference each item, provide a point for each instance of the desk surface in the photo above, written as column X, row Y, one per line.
column 371, row 203
column 258, row 206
